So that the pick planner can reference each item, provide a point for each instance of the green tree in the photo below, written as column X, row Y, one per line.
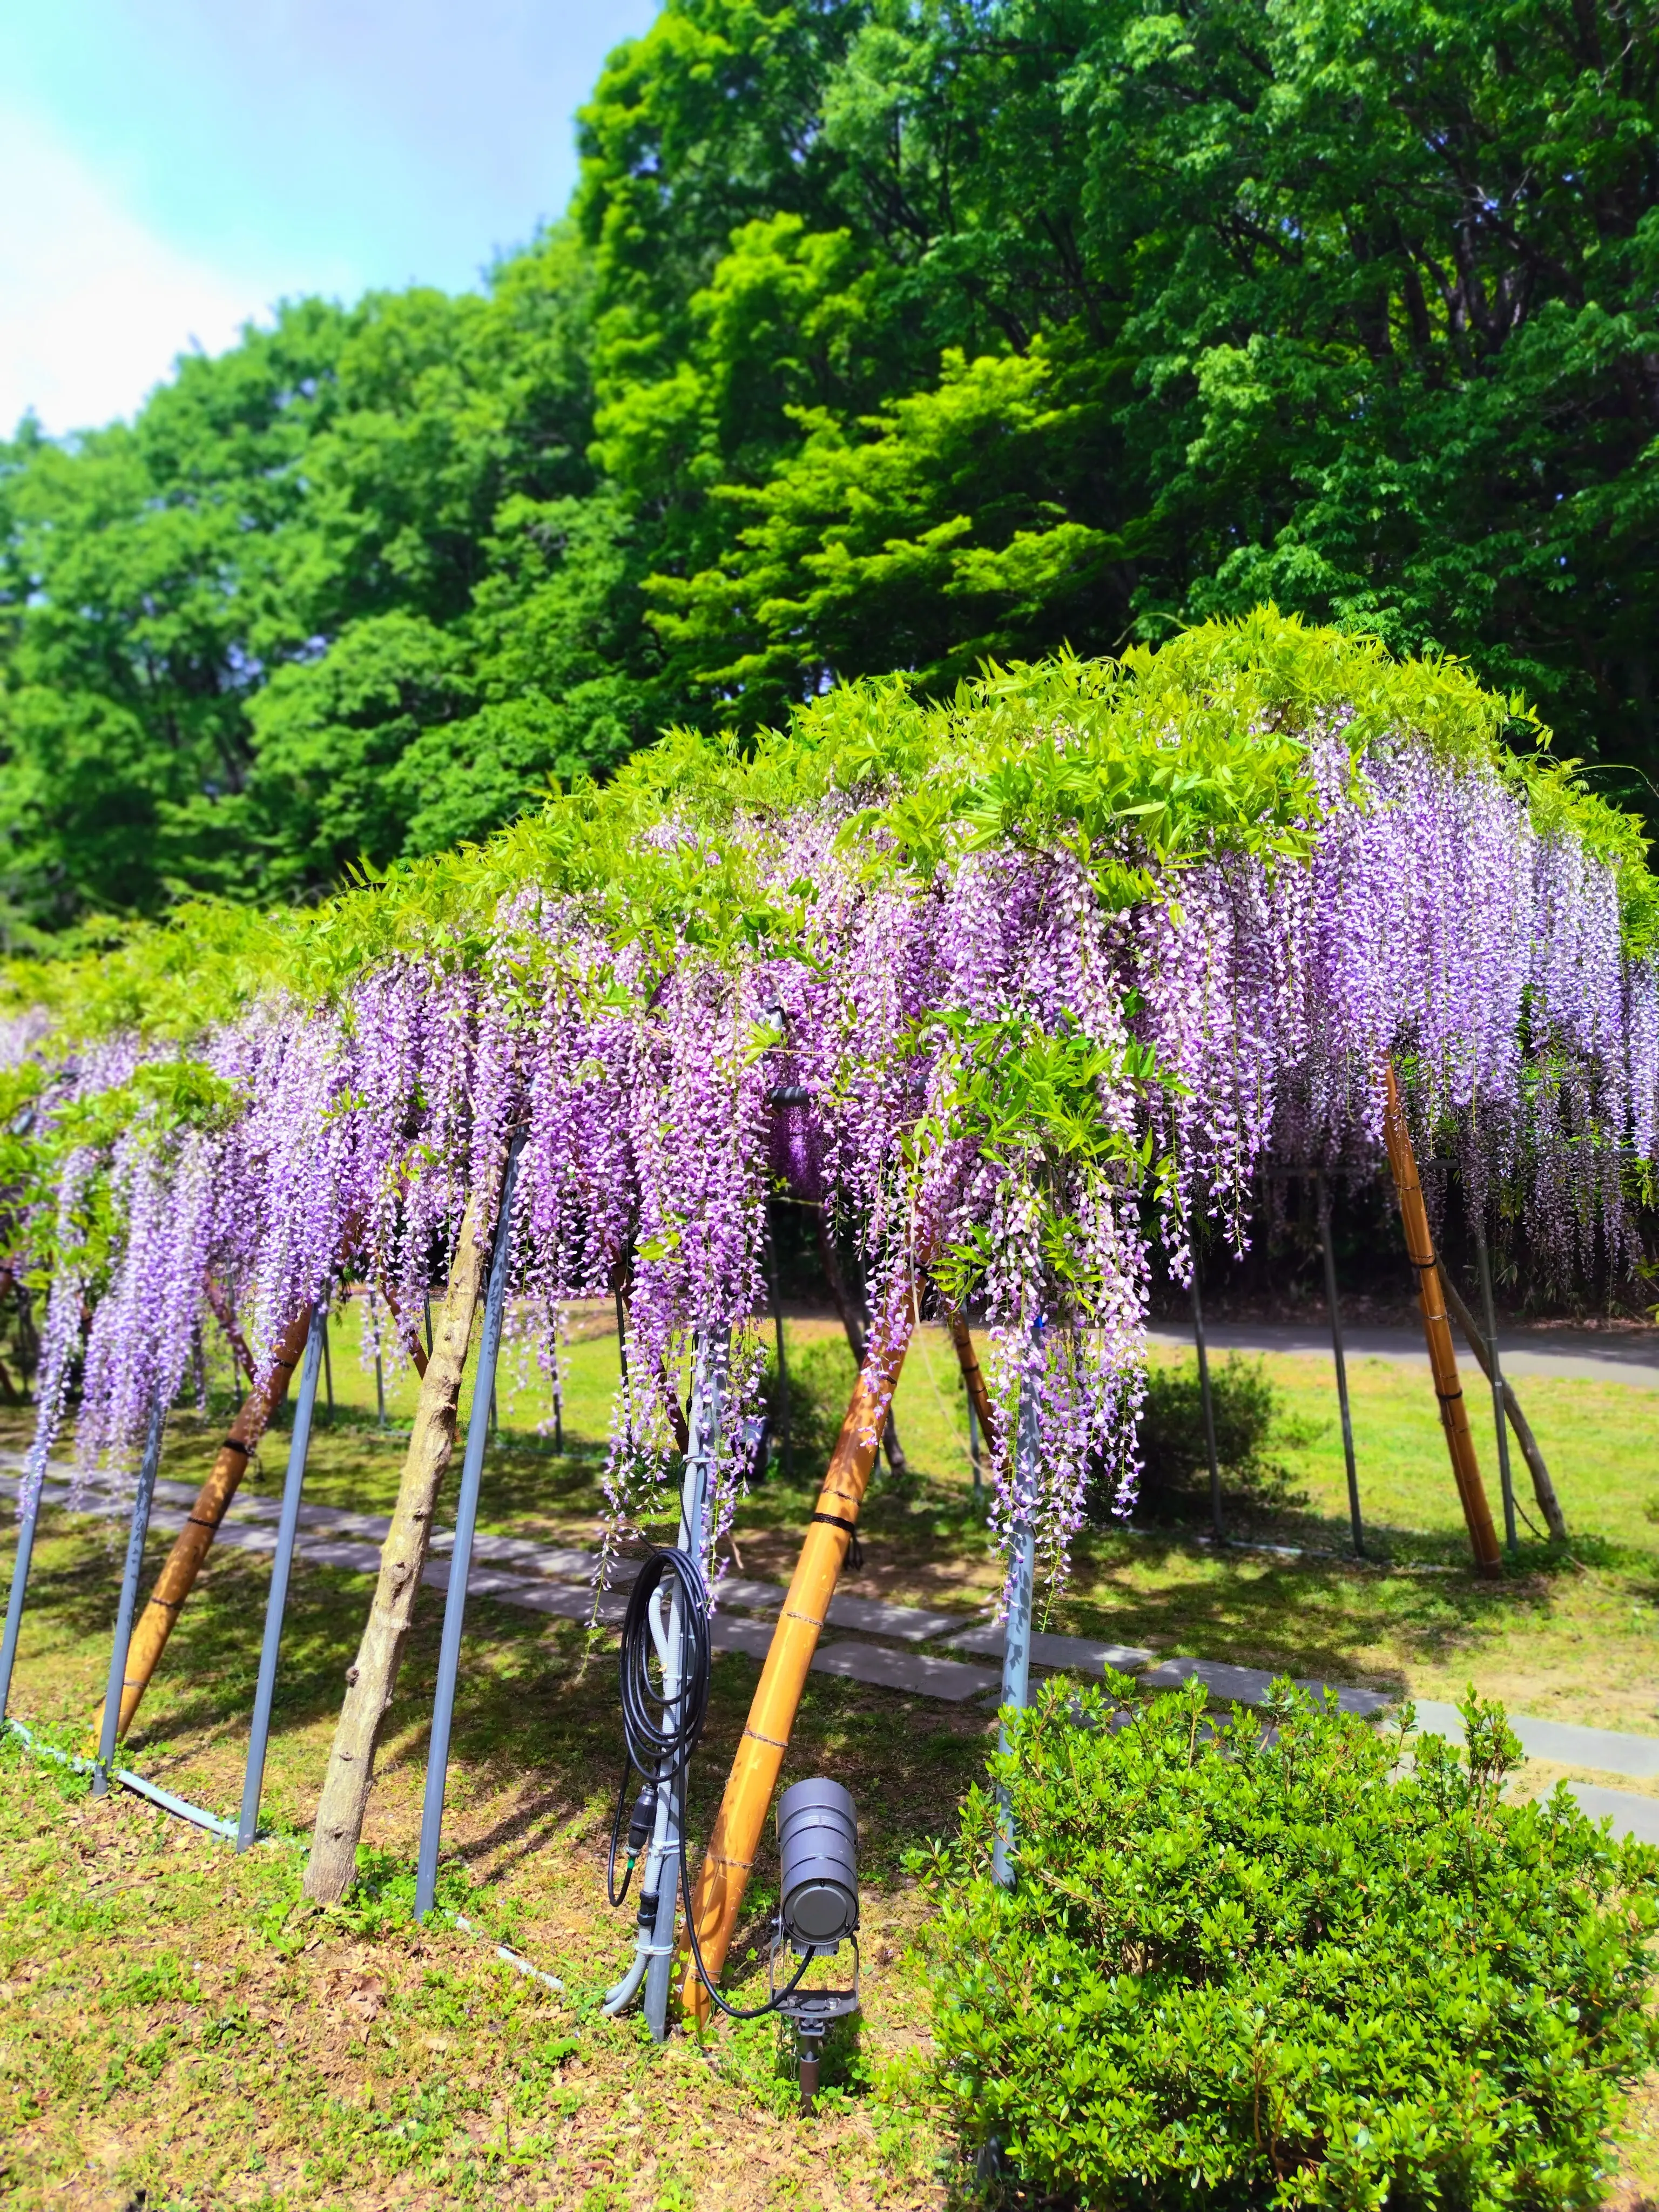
column 884, row 334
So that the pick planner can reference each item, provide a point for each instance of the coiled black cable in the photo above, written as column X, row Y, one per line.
column 661, row 1733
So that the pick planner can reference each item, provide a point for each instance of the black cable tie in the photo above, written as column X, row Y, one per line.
column 235, row 1444
column 855, row 1549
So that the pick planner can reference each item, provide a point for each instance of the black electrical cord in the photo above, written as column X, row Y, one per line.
column 661, row 1733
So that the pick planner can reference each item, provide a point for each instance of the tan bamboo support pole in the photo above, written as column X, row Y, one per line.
column 967, row 1360
column 1543, row 1488
column 372, row 1678
column 1437, row 1330
column 730, row 1854
column 194, row 1541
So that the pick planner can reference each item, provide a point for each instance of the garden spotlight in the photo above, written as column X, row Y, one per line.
column 817, row 1910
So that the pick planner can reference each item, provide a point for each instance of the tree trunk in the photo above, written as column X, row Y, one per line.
column 194, row 1541
column 372, row 1681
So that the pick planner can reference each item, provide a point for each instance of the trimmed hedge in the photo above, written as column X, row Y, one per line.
column 1240, row 1970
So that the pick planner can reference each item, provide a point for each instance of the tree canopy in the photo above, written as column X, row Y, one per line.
column 878, row 337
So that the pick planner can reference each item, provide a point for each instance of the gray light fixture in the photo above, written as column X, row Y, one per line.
column 818, row 1909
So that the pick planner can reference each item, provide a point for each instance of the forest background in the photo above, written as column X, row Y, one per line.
column 880, row 334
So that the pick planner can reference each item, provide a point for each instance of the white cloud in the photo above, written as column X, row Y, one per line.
column 93, row 307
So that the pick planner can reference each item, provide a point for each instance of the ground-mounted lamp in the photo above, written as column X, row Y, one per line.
column 818, row 1910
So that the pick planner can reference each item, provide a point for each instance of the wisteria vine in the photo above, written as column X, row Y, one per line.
column 1003, row 1048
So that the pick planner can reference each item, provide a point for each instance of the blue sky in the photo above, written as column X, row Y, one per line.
column 170, row 167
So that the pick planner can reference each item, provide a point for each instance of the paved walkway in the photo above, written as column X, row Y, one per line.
column 557, row 1580
column 1577, row 1354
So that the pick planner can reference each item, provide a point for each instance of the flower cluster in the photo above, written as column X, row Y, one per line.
column 978, row 1063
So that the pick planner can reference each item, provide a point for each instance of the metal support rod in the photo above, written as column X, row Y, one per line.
column 276, row 1601
column 138, row 1529
column 328, row 1371
column 558, row 1391
column 380, row 1379
column 1495, row 1376
column 1322, row 1190
column 460, row 1559
column 1205, row 1401
column 27, row 1514
column 714, row 1351
column 785, row 1455
column 1016, row 1648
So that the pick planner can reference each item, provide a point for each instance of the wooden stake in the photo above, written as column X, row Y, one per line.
column 1437, row 1330
column 194, row 1541
column 731, row 1847
column 371, row 1680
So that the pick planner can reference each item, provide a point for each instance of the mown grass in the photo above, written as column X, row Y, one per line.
column 173, row 2022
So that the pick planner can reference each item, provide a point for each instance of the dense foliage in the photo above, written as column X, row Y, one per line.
column 880, row 337
column 1238, row 1969
column 1248, row 1418
column 1008, row 985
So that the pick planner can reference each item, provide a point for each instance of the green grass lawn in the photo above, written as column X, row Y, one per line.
column 171, row 2021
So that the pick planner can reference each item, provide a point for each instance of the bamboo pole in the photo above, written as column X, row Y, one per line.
column 730, row 1854
column 1437, row 1330
column 373, row 1677
column 846, row 1307
column 1543, row 1488
column 194, row 1541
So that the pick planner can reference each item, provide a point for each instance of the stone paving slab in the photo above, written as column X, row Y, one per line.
column 751, row 1596
column 1248, row 1686
column 873, row 1617
column 905, row 1670
column 751, row 1637
column 1085, row 1654
column 1563, row 1742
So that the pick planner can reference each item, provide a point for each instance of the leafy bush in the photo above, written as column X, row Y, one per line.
column 1239, row 1971
column 1175, row 1483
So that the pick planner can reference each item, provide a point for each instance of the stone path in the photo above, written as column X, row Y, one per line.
column 557, row 1580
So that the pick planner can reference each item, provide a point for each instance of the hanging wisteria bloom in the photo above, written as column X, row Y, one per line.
column 1003, row 989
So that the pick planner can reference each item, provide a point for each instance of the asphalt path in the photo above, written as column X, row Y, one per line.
column 1577, row 1354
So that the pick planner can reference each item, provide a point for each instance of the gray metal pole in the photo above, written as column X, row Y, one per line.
column 1334, row 1310
column 328, row 1372
column 1017, row 1648
column 460, row 1560
column 786, row 1454
column 1495, row 1373
column 27, row 1515
column 713, row 1353
column 1205, row 1401
column 276, row 1601
column 137, row 1533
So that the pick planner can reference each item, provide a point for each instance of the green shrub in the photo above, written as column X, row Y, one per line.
column 1175, row 1482
column 1235, row 1972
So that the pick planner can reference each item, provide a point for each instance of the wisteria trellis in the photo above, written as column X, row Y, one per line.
column 1003, row 1054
